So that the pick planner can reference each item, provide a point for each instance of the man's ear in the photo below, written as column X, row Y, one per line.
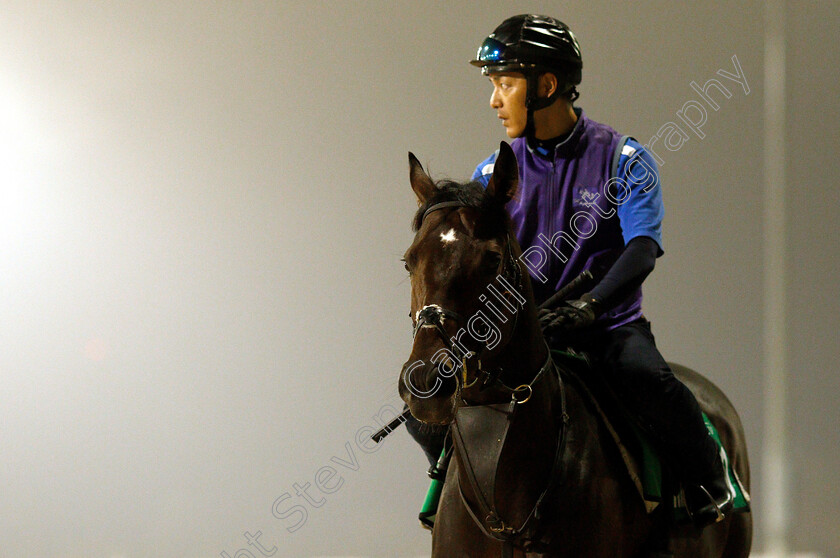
column 548, row 85
column 505, row 180
column 422, row 185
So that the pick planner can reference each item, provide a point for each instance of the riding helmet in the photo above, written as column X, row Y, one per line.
column 531, row 41
column 532, row 44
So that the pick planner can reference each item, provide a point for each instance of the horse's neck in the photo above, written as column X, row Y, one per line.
column 530, row 458
column 556, row 408
column 526, row 352
column 515, row 365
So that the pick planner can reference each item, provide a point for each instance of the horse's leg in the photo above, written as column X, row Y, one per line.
column 740, row 537
column 455, row 534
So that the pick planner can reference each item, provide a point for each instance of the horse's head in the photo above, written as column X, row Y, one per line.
column 467, row 285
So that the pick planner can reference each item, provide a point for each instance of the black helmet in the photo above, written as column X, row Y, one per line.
column 530, row 43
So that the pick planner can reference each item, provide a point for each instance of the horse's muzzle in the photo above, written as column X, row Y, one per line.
column 430, row 395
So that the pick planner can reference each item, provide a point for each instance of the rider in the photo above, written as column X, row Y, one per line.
column 590, row 198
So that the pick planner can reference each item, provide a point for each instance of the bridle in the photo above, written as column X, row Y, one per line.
column 495, row 419
column 434, row 315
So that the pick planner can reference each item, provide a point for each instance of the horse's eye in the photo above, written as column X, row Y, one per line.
column 492, row 260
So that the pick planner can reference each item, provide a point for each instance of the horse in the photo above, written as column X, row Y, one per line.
column 534, row 472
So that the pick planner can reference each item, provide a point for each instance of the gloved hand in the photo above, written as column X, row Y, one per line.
column 574, row 314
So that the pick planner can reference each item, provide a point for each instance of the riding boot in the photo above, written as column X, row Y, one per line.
column 711, row 500
column 700, row 463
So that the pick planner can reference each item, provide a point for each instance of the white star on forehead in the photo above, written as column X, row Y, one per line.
column 448, row 237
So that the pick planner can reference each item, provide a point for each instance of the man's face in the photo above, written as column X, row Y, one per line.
column 508, row 99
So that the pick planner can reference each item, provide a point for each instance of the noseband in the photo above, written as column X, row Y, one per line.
column 433, row 315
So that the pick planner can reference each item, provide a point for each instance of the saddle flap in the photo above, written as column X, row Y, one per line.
column 481, row 433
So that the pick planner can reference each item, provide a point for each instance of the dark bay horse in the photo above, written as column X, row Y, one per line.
column 534, row 471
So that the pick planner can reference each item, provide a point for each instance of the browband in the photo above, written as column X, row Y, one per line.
column 441, row 205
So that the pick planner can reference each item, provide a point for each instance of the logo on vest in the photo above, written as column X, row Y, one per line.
column 584, row 197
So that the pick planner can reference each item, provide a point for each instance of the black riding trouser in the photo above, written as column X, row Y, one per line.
column 633, row 368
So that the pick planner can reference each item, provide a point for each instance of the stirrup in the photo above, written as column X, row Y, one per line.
column 721, row 509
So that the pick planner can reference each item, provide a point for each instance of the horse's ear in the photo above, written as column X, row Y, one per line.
column 505, row 180
column 422, row 185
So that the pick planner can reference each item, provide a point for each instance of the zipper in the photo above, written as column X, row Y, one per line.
column 553, row 206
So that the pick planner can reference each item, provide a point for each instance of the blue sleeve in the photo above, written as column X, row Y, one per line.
column 639, row 193
column 484, row 170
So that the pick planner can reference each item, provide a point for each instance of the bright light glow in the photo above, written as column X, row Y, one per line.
column 21, row 162
column 12, row 151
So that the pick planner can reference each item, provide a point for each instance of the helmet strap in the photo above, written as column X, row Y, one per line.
column 533, row 102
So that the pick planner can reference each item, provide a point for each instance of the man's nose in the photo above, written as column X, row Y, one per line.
column 495, row 99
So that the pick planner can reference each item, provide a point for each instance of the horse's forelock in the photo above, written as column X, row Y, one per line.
column 471, row 194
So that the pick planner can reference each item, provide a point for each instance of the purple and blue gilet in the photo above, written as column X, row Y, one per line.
column 578, row 207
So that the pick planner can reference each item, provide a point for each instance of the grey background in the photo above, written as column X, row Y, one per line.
column 203, row 208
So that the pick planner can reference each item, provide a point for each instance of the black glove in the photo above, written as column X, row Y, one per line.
column 574, row 314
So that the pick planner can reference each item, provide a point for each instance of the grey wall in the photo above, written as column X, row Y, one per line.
column 203, row 208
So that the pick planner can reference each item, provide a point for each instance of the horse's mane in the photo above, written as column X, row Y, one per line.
column 493, row 219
